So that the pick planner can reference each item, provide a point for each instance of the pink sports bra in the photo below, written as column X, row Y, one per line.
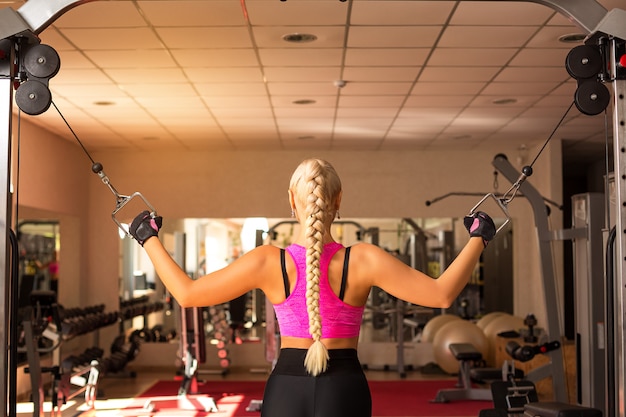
column 339, row 320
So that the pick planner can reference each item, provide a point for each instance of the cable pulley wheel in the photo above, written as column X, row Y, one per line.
column 583, row 61
column 591, row 97
column 33, row 97
column 42, row 61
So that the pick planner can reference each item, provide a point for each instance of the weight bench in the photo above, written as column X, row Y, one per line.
column 510, row 397
column 556, row 409
column 466, row 354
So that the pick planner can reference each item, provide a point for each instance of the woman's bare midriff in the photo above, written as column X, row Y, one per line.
column 302, row 343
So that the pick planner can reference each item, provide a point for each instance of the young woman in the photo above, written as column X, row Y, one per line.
column 319, row 289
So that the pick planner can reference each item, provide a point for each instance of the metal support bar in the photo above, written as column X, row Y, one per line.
column 547, row 272
column 586, row 14
column 39, row 14
column 619, row 284
column 6, row 114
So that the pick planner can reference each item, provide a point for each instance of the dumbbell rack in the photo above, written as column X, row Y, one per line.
column 77, row 374
column 43, row 336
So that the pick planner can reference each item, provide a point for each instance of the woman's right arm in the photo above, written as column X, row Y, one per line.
column 398, row 279
column 378, row 268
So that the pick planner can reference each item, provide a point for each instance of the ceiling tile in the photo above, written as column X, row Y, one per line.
column 302, row 74
column 373, row 88
column 354, row 112
column 136, row 38
column 272, row 36
column 205, row 37
column 499, row 36
column 490, row 13
column 231, row 89
column 177, row 13
column 234, row 102
column 297, row 13
column 519, row 88
column 304, row 112
column 430, row 115
column 458, row 74
column 400, row 12
column 293, row 124
column 451, row 88
column 74, row 59
column 544, row 57
column 152, row 58
column 152, row 76
column 391, row 57
column 392, row 36
column 240, row 57
column 226, row 75
column 310, row 57
column 518, row 74
column 438, row 101
column 371, row 101
column 380, row 74
column 471, row 57
column 83, row 76
column 180, row 89
column 51, row 36
column 242, row 112
column 288, row 101
column 302, row 88
column 95, row 92
column 108, row 15
column 548, row 37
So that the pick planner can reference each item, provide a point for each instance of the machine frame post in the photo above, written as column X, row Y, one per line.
column 6, row 114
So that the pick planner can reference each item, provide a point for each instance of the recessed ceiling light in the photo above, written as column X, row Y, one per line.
column 502, row 101
column 299, row 37
column 104, row 103
column 572, row 38
column 304, row 101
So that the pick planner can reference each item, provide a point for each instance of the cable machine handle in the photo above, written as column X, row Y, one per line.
column 501, row 204
column 121, row 200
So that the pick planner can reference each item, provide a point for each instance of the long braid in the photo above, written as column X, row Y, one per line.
column 318, row 187
column 317, row 356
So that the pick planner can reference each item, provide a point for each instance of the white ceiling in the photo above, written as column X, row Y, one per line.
column 217, row 75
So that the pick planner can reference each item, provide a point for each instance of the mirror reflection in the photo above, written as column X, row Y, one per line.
column 201, row 246
column 39, row 242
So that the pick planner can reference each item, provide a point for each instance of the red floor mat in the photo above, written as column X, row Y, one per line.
column 389, row 398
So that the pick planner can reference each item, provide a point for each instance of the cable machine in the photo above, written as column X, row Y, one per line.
column 19, row 34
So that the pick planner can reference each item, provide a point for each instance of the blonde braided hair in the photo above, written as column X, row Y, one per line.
column 316, row 184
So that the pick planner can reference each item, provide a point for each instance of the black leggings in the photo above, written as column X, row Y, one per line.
column 341, row 391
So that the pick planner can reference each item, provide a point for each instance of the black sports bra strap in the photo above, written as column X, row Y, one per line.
column 344, row 275
column 284, row 269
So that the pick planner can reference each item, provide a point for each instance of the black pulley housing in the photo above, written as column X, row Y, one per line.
column 33, row 97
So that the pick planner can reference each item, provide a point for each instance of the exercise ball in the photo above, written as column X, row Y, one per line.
column 433, row 325
column 457, row 331
column 488, row 318
column 500, row 324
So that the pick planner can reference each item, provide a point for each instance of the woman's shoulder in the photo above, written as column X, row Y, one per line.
column 364, row 247
column 265, row 250
column 262, row 258
column 364, row 252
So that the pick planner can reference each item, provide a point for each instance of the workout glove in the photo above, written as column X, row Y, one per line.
column 145, row 226
column 479, row 224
